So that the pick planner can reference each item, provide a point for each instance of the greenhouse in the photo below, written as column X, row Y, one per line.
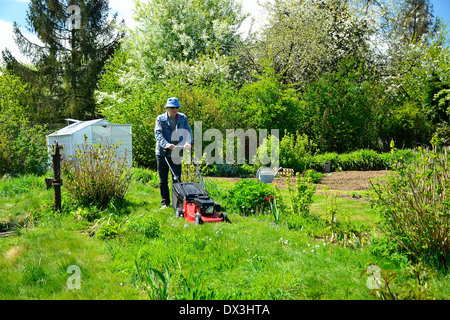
column 95, row 131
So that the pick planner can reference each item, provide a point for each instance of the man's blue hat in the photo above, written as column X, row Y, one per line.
column 172, row 102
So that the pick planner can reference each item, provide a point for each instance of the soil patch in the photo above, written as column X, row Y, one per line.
column 340, row 181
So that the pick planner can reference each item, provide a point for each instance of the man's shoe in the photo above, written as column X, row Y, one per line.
column 163, row 207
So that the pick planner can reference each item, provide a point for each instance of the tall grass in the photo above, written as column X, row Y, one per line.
column 10, row 187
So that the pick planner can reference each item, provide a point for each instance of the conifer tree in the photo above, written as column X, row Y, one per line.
column 77, row 39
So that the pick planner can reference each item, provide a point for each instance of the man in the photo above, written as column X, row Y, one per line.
column 171, row 130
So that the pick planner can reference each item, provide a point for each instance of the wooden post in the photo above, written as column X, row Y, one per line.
column 57, row 182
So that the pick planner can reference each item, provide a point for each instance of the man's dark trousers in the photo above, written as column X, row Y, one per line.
column 163, row 172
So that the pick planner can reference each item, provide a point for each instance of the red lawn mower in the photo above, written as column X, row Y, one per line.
column 191, row 201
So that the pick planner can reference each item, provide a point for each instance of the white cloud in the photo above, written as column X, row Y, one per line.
column 7, row 40
column 124, row 9
column 255, row 9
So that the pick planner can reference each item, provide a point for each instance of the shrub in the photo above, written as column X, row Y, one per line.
column 247, row 196
column 296, row 151
column 414, row 204
column 313, row 176
column 22, row 146
column 342, row 107
column 298, row 215
column 300, row 195
column 97, row 175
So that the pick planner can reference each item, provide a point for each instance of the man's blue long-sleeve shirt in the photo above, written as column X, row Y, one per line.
column 165, row 136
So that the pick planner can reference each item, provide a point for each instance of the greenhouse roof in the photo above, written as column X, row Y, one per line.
column 78, row 125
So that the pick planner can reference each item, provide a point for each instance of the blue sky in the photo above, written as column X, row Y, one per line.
column 15, row 10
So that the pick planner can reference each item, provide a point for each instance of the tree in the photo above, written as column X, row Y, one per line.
column 342, row 108
column 305, row 39
column 22, row 147
column 415, row 20
column 189, row 39
column 77, row 39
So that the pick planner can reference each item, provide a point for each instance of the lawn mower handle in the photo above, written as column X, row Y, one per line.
column 197, row 171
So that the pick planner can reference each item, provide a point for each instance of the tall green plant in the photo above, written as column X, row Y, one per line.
column 300, row 195
column 414, row 204
column 97, row 175
column 296, row 151
column 248, row 196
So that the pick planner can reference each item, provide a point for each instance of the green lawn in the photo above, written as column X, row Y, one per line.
column 251, row 258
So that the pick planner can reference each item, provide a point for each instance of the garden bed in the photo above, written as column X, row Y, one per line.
column 341, row 181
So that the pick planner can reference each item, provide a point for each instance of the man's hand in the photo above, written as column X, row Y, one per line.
column 171, row 147
column 187, row 146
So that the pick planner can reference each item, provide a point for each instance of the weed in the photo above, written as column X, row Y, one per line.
column 388, row 285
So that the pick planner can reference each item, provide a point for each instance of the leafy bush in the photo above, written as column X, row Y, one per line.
column 22, row 146
column 97, row 175
column 247, row 196
column 415, row 203
column 298, row 216
column 313, row 176
column 342, row 108
column 388, row 285
column 300, row 195
column 296, row 151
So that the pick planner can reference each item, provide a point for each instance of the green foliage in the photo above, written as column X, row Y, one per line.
column 247, row 196
column 296, row 151
column 413, row 284
column 11, row 187
column 88, row 213
column 97, row 175
column 313, row 176
column 108, row 230
column 186, row 41
column 22, row 145
column 267, row 104
column 342, row 108
column 406, row 125
column 146, row 176
column 414, row 206
column 144, row 224
column 302, row 39
column 300, row 195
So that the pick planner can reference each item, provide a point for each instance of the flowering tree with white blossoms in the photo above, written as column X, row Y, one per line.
column 304, row 39
column 183, row 38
